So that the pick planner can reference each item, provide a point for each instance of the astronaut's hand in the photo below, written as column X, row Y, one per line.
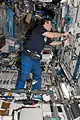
column 67, row 42
column 66, row 34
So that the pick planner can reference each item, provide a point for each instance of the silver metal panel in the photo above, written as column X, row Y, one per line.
column 31, row 114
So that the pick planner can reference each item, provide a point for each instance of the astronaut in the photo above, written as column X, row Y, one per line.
column 31, row 54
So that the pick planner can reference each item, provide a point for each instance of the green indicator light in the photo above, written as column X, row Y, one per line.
column 57, row 119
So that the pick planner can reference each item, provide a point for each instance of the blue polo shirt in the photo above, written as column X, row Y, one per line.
column 37, row 41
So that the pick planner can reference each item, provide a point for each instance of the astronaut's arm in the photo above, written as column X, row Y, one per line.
column 55, row 34
column 54, row 43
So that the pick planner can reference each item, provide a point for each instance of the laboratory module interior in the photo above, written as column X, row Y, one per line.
column 59, row 96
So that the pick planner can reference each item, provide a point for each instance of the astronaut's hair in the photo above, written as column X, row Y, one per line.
column 45, row 20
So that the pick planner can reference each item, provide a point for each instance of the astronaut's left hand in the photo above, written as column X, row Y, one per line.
column 68, row 41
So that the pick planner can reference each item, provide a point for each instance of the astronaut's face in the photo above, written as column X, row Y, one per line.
column 48, row 25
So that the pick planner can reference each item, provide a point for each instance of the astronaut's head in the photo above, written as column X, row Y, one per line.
column 47, row 24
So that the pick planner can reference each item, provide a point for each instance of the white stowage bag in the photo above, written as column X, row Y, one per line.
column 65, row 91
column 46, row 97
column 5, row 117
